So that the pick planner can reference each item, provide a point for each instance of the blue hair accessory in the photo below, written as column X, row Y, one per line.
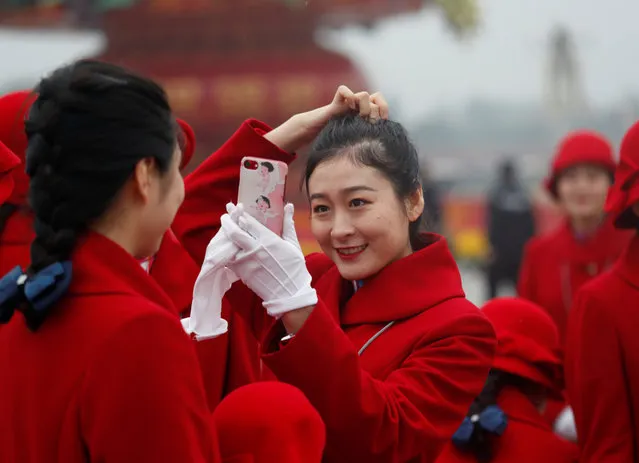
column 492, row 420
column 40, row 291
column 10, row 293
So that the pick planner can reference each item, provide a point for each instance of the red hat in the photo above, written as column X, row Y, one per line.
column 527, row 341
column 8, row 162
column 266, row 422
column 13, row 110
column 580, row 147
column 188, row 142
column 625, row 190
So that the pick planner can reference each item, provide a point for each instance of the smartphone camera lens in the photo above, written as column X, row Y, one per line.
column 247, row 164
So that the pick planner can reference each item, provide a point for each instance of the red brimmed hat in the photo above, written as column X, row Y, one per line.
column 527, row 342
column 8, row 163
column 188, row 142
column 266, row 422
column 625, row 189
column 13, row 110
column 580, row 147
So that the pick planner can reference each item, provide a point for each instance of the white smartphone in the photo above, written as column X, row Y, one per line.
column 261, row 191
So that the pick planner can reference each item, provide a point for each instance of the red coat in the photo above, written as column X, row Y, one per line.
column 110, row 376
column 602, row 363
column 556, row 265
column 405, row 395
column 527, row 439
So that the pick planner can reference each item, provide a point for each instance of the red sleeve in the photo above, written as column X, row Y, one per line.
column 215, row 182
column 525, row 282
column 142, row 399
column 412, row 413
column 595, row 383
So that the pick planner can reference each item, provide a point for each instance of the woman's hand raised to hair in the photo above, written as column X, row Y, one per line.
column 302, row 128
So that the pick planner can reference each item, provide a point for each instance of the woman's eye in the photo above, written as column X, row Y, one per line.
column 358, row 202
column 320, row 209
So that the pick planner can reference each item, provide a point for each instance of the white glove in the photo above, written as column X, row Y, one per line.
column 565, row 425
column 212, row 283
column 273, row 267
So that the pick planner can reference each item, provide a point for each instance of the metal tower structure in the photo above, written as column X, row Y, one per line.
column 565, row 92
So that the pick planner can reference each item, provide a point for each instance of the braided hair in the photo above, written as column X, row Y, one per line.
column 90, row 125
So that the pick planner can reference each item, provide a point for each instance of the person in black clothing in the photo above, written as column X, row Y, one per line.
column 432, row 203
column 510, row 225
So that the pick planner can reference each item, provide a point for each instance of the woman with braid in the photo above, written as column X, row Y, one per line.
column 95, row 365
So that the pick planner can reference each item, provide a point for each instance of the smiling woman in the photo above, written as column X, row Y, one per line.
column 366, row 198
column 376, row 331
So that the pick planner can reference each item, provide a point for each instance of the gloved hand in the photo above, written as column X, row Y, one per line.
column 565, row 425
column 212, row 283
column 273, row 267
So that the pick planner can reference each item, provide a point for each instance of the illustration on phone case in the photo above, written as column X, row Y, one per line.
column 262, row 192
column 262, row 208
column 267, row 182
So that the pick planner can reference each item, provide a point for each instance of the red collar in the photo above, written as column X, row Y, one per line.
column 405, row 287
column 101, row 266
column 628, row 264
column 605, row 243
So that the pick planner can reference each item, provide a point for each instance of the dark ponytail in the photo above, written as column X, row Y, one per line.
column 485, row 420
column 90, row 125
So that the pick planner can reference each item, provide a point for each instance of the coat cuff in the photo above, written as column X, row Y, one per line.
column 320, row 339
column 251, row 134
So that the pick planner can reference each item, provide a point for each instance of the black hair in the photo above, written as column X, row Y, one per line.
column 265, row 199
column 480, row 444
column 269, row 166
column 88, row 128
column 383, row 145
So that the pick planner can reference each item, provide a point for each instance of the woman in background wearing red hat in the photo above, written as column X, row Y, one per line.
column 556, row 265
column 602, row 347
column 505, row 423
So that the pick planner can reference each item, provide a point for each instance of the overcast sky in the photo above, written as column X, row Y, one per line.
column 416, row 62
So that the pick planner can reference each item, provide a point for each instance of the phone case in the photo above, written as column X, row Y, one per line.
column 261, row 191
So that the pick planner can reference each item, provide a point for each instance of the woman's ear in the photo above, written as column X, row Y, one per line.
column 415, row 204
column 143, row 175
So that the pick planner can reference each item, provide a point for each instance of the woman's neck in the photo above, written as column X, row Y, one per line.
column 586, row 226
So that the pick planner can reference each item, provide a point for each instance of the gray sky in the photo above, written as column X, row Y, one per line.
column 416, row 61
